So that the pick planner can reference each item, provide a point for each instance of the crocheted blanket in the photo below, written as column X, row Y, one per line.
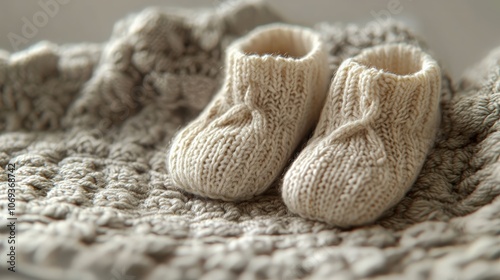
column 85, row 194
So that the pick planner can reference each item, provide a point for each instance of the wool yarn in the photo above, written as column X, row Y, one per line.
column 276, row 80
column 174, row 54
column 106, row 208
column 378, row 124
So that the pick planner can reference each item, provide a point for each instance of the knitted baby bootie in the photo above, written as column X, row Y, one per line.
column 378, row 124
column 275, row 84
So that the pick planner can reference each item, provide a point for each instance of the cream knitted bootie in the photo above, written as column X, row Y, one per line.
column 275, row 85
column 378, row 124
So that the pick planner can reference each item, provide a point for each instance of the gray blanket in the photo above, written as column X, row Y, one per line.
column 84, row 133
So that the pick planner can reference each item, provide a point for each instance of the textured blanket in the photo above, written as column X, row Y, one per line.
column 85, row 130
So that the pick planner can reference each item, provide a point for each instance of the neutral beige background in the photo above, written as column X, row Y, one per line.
column 460, row 32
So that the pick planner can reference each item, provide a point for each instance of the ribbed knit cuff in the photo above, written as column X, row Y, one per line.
column 277, row 56
column 400, row 76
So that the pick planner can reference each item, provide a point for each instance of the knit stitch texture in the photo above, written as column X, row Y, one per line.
column 276, row 81
column 95, row 199
column 376, row 128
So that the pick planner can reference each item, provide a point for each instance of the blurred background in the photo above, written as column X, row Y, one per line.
column 459, row 32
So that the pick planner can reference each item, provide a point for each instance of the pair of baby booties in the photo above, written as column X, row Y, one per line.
column 372, row 126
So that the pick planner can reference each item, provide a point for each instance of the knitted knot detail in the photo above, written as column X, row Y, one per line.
column 245, row 111
column 369, row 107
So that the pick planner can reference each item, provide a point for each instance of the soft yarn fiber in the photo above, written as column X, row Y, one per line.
column 88, row 127
column 274, row 88
column 377, row 126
